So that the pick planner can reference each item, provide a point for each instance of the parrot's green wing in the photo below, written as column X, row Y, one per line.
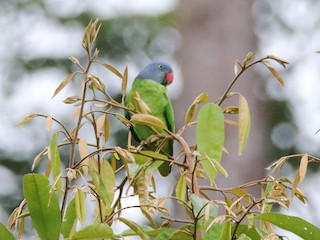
column 169, row 116
column 165, row 168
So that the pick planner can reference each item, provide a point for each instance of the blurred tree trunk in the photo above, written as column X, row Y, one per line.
column 214, row 34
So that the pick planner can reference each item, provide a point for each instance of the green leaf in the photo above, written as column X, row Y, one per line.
column 243, row 237
column 94, row 231
column 210, row 136
column 55, row 161
column 147, row 230
column 296, row 225
column 181, row 188
column 199, row 206
column 214, row 232
column 147, row 155
column 251, row 232
column 80, row 205
column 70, row 220
column 244, row 123
column 5, row 233
column 226, row 231
column 172, row 234
column 135, row 227
column 100, row 188
column 108, row 178
column 43, row 206
column 202, row 98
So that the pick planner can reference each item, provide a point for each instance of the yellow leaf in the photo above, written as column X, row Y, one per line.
column 231, row 123
column 279, row 60
column 276, row 75
column 241, row 193
column 139, row 105
column 236, row 67
column 100, row 122
column 37, row 159
column 202, row 98
column 244, row 123
column 231, row 110
column 112, row 69
column 249, row 56
column 48, row 123
column 123, row 153
column 64, row 83
column 106, row 129
column 124, row 81
column 122, row 119
column 303, row 167
column 26, row 119
column 295, row 184
column 148, row 120
column 181, row 188
column 83, row 150
column 75, row 114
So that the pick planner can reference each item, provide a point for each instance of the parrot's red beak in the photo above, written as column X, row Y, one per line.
column 169, row 78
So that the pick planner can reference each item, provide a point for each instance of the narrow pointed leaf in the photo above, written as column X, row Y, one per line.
column 55, row 161
column 38, row 158
column 100, row 188
column 49, row 123
column 210, row 136
column 202, row 98
column 296, row 225
column 226, row 231
column 43, row 206
column 303, row 167
column 148, row 120
column 181, row 188
column 112, row 69
column 64, row 83
column 83, row 150
column 108, row 178
column 26, row 119
column 80, row 205
column 199, row 205
column 106, row 130
column 276, row 75
column 244, row 123
column 70, row 220
column 124, row 81
column 135, row 227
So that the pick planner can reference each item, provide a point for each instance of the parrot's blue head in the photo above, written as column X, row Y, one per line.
column 160, row 72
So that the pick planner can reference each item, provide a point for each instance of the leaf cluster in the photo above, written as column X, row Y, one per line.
column 106, row 175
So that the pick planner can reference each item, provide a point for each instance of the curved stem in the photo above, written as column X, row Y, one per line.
column 224, row 96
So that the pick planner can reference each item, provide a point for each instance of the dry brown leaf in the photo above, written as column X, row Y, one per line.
column 64, row 83
column 303, row 167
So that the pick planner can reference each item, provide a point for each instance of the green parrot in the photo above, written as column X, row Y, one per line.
column 151, row 85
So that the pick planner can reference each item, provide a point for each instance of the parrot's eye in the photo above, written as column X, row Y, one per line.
column 160, row 66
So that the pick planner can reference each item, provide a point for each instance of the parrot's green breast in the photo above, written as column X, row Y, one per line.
column 154, row 95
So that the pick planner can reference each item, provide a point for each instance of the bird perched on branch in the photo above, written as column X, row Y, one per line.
column 149, row 95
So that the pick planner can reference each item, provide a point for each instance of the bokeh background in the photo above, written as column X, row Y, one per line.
column 200, row 39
